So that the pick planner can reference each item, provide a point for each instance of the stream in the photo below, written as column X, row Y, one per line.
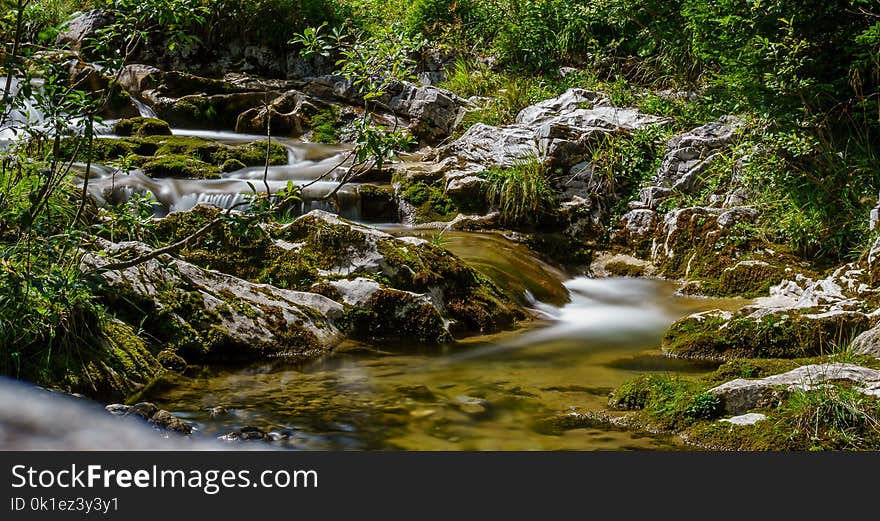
column 496, row 392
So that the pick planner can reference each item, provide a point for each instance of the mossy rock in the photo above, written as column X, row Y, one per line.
column 141, row 127
column 625, row 269
column 238, row 251
column 176, row 84
column 141, row 150
column 429, row 200
column 231, row 165
column 326, row 125
column 391, row 314
column 789, row 334
column 671, row 401
column 111, row 368
column 179, row 167
column 472, row 300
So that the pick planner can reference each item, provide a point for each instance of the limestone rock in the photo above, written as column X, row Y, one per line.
column 83, row 27
column 868, row 343
column 741, row 395
column 243, row 319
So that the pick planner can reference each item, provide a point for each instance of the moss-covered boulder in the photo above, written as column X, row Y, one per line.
column 179, row 167
column 430, row 291
column 789, row 333
column 141, row 127
column 206, row 315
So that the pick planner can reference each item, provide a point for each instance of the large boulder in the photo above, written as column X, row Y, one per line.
column 208, row 315
column 688, row 155
column 557, row 132
column 84, row 26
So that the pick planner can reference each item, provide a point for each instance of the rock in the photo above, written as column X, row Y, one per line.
column 741, row 395
column 118, row 409
column 356, row 292
column 867, row 343
column 472, row 406
column 262, row 321
column 167, row 421
column 33, row 419
column 637, row 231
column 171, row 360
column 144, row 410
column 141, row 127
column 608, row 265
column 433, row 113
column 755, row 332
column 745, row 419
column 137, row 77
column 85, row 26
column 689, row 154
column 217, row 412
column 737, row 215
column 247, row 433
column 556, row 132
column 416, row 274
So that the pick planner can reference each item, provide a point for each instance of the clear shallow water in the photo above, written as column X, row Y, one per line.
column 491, row 393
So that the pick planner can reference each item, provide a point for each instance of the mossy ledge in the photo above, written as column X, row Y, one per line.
column 174, row 156
column 795, row 420
column 786, row 334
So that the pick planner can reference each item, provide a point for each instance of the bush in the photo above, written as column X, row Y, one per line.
column 521, row 193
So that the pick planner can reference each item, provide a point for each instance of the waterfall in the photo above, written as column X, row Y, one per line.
column 144, row 110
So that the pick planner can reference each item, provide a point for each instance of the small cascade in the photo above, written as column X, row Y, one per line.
column 25, row 114
column 144, row 110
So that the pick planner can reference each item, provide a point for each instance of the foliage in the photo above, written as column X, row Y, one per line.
column 521, row 193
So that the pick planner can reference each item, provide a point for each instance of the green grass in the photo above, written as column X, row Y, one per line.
column 522, row 193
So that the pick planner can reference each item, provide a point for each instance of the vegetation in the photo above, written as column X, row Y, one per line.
column 521, row 193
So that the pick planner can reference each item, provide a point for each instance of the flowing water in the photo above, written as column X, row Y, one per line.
column 308, row 167
column 500, row 392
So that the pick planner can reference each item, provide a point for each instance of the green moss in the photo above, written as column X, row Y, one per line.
column 325, row 245
column 782, row 335
column 430, row 201
column 396, row 315
column 624, row 269
column 325, row 126
column 141, row 127
column 113, row 367
column 763, row 367
column 179, row 167
column 171, row 360
column 238, row 250
column 231, row 165
column 472, row 300
column 288, row 270
column 670, row 401
column 173, row 150
column 177, row 83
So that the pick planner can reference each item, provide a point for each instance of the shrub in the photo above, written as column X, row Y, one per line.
column 521, row 193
